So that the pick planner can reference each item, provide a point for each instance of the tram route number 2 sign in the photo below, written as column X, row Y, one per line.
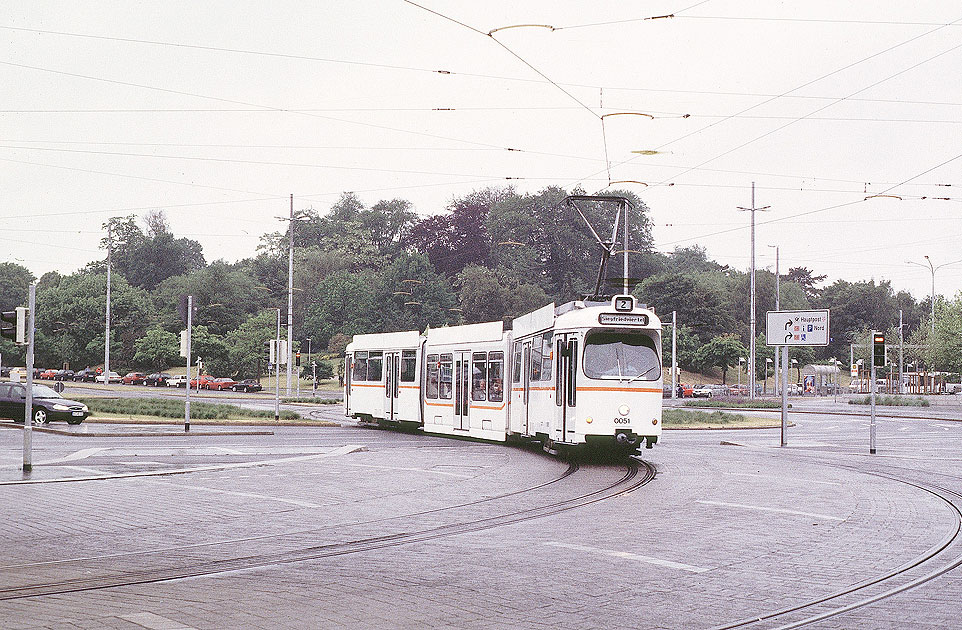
column 797, row 328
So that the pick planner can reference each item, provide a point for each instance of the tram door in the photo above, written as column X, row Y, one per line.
column 566, row 385
column 392, row 372
column 462, row 378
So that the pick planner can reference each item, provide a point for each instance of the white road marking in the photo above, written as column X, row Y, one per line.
column 344, row 450
column 249, row 495
column 768, row 509
column 631, row 556
column 827, row 483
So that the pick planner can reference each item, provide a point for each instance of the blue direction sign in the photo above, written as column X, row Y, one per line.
column 797, row 328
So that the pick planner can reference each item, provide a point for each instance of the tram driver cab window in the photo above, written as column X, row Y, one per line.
column 359, row 372
column 611, row 354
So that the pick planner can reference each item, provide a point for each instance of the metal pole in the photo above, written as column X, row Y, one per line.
column 277, row 371
column 674, row 355
column 314, row 387
column 28, row 406
column 778, row 296
column 901, row 355
column 871, row 439
column 290, row 295
column 928, row 260
column 784, row 395
column 751, row 350
column 190, row 309
column 110, row 247
column 751, row 318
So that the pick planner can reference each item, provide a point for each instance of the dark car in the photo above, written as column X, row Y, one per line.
column 86, row 375
column 157, row 379
column 247, row 385
column 64, row 375
column 48, row 405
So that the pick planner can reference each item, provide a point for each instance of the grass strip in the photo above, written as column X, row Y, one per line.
column 164, row 408
column 890, row 401
column 736, row 403
column 678, row 417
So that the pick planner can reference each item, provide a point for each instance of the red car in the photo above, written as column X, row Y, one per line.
column 47, row 374
column 220, row 384
column 133, row 378
column 204, row 380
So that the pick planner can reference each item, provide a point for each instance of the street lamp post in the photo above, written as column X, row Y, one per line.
column 751, row 319
column 932, row 268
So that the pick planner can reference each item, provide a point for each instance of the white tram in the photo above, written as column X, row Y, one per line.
column 584, row 373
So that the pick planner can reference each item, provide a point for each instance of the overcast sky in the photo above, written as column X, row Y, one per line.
column 848, row 116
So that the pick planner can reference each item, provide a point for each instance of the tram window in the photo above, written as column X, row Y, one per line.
column 375, row 366
column 445, row 381
column 496, row 376
column 621, row 355
column 546, row 356
column 535, row 361
column 360, row 366
column 516, row 368
column 409, row 366
column 434, row 370
column 479, row 376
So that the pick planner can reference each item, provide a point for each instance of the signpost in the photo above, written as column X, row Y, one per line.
column 794, row 328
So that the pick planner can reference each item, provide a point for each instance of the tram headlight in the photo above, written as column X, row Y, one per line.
column 589, row 420
column 624, row 410
column 654, row 420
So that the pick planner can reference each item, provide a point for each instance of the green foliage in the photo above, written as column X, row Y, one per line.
column 246, row 345
column 683, row 417
column 14, row 284
column 722, row 352
column 167, row 408
column 890, row 401
column 739, row 404
column 687, row 344
column 488, row 296
column 157, row 350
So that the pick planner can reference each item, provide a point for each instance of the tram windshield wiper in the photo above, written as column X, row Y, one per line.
column 645, row 373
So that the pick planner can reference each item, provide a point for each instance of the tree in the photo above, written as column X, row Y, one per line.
column 14, row 285
column 687, row 344
column 246, row 347
column 857, row 306
column 704, row 309
column 148, row 259
column 722, row 352
column 157, row 350
column 805, row 278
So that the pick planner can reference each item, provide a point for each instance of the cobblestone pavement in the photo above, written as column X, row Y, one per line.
column 316, row 527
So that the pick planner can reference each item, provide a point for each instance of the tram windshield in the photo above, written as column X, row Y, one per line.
column 621, row 355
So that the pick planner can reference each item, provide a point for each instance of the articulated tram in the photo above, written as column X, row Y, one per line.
column 580, row 374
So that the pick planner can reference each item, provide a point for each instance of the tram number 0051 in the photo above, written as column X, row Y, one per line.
column 622, row 421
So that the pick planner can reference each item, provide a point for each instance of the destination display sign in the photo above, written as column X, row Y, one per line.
column 797, row 328
column 623, row 319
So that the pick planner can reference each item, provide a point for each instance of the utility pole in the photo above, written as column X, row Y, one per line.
column 901, row 354
column 674, row 354
column 277, row 370
column 290, row 294
column 751, row 357
column 110, row 247
column 28, row 403
column 778, row 295
column 190, row 309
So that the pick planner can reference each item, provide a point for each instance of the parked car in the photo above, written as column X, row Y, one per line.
column 48, row 375
column 247, row 385
column 204, row 379
column 133, row 378
column 113, row 377
column 177, row 381
column 64, row 375
column 738, row 390
column 48, row 405
column 86, row 375
column 686, row 390
column 702, row 391
column 220, row 384
column 157, row 379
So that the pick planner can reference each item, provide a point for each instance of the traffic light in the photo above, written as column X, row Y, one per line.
column 297, row 359
column 878, row 350
column 13, row 325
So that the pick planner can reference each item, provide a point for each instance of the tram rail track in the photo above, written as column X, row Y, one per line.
column 630, row 481
column 866, row 592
